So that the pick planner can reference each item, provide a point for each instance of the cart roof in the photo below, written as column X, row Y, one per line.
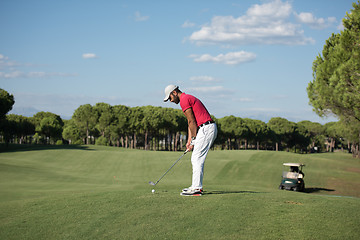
column 294, row 164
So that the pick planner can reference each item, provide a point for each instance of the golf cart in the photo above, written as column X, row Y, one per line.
column 294, row 179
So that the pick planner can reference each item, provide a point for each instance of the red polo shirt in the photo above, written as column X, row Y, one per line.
column 201, row 113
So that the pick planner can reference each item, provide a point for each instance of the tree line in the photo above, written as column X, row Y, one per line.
column 158, row 128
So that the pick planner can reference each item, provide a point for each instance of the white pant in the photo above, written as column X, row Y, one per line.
column 205, row 137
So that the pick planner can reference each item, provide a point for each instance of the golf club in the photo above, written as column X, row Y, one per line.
column 152, row 183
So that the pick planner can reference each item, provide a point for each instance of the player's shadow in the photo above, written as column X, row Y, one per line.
column 228, row 192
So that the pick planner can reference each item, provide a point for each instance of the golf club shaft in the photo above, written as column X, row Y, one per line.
column 171, row 166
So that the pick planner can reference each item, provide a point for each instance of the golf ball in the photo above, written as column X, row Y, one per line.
column 153, row 190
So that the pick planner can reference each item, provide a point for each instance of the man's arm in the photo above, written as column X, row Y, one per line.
column 192, row 126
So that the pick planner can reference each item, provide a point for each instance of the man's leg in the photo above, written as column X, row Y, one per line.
column 204, row 140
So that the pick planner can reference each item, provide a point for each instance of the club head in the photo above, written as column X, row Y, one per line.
column 152, row 183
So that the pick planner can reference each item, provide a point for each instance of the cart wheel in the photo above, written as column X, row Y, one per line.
column 281, row 187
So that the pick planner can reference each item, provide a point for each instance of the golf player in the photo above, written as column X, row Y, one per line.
column 202, row 132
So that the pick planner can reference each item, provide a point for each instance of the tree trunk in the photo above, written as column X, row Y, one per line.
column 181, row 142
column 277, row 146
column 177, row 141
column 327, row 146
column 146, row 140
column 122, row 141
column 173, row 140
column 87, row 136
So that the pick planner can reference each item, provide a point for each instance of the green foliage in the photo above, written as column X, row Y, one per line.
column 258, row 131
column 72, row 133
column 19, row 128
column 85, row 119
column 336, row 84
column 281, row 129
column 6, row 103
column 316, row 133
column 49, row 125
column 289, row 134
column 102, row 141
column 105, row 117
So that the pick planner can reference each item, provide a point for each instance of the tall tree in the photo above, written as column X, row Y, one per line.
column 71, row 132
column 6, row 103
column 20, row 127
column 49, row 125
column 258, row 131
column 350, row 132
column 85, row 118
column 333, row 132
column 300, row 138
column 283, row 130
column 336, row 74
column 227, row 128
column 120, row 126
column 104, row 114
column 316, row 132
column 241, row 131
column 151, row 123
column 135, row 124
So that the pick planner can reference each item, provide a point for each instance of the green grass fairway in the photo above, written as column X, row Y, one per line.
column 64, row 192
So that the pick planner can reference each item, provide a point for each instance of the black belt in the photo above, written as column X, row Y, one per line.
column 206, row 123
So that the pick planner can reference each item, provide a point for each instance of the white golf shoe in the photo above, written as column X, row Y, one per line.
column 192, row 192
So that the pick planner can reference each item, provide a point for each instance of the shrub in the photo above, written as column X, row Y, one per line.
column 102, row 141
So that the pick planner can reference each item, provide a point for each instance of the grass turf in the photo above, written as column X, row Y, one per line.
column 102, row 193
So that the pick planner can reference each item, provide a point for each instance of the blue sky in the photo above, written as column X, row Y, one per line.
column 243, row 58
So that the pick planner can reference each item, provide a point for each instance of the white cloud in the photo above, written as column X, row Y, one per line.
column 231, row 58
column 5, row 62
column 207, row 79
column 188, row 24
column 89, row 55
column 8, row 75
column 244, row 99
column 140, row 18
column 258, row 109
column 2, row 57
column 313, row 22
column 10, row 70
column 218, row 90
column 20, row 74
column 262, row 24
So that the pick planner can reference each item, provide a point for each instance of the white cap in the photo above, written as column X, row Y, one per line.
column 168, row 90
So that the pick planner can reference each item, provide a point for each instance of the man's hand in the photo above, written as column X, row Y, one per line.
column 189, row 147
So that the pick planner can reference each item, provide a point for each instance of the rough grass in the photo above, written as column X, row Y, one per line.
column 102, row 193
